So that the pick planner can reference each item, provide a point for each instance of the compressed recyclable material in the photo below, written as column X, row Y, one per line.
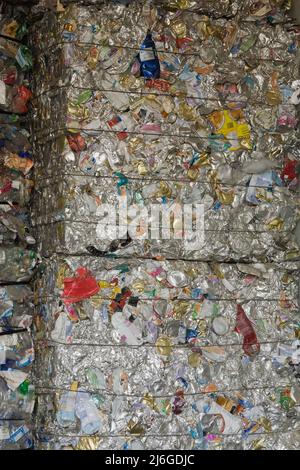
column 156, row 329
column 18, row 256
column 217, row 126
column 145, row 349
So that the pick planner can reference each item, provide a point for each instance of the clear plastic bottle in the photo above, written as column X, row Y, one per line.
column 16, row 264
column 66, row 413
column 88, row 414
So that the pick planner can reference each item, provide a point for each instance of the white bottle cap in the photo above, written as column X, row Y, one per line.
column 220, row 326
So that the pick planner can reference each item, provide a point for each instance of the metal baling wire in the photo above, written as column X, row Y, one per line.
column 93, row 222
column 153, row 299
column 110, row 257
column 89, row 221
column 159, row 3
column 59, row 215
column 290, row 321
column 278, row 340
column 56, row 389
column 77, row 130
column 203, row 4
column 172, row 300
column 14, row 331
column 187, row 346
column 48, row 344
column 159, row 51
column 113, row 256
column 223, row 100
column 145, row 436
column 62, row 176
column 70, row 86
column 175, row 300
column 218, row 390
column 91, row 133
column 13, row 419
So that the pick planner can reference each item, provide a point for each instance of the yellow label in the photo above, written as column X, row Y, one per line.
column 74, row 386
column 231, row 124
column 104, row 284
column 116, row 290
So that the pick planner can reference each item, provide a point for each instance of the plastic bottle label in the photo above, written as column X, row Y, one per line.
column 2, row 356
column 19, row 433
column 2, row 92
column 146, row 54
column 4, row 432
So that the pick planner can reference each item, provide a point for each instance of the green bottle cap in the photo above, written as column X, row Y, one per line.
column 23, row 388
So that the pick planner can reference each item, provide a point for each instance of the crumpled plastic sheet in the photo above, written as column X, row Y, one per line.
column 142, row 356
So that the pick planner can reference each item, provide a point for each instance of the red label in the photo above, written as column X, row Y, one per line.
column 114, row 121
column 158, row 84
column 122, row 135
